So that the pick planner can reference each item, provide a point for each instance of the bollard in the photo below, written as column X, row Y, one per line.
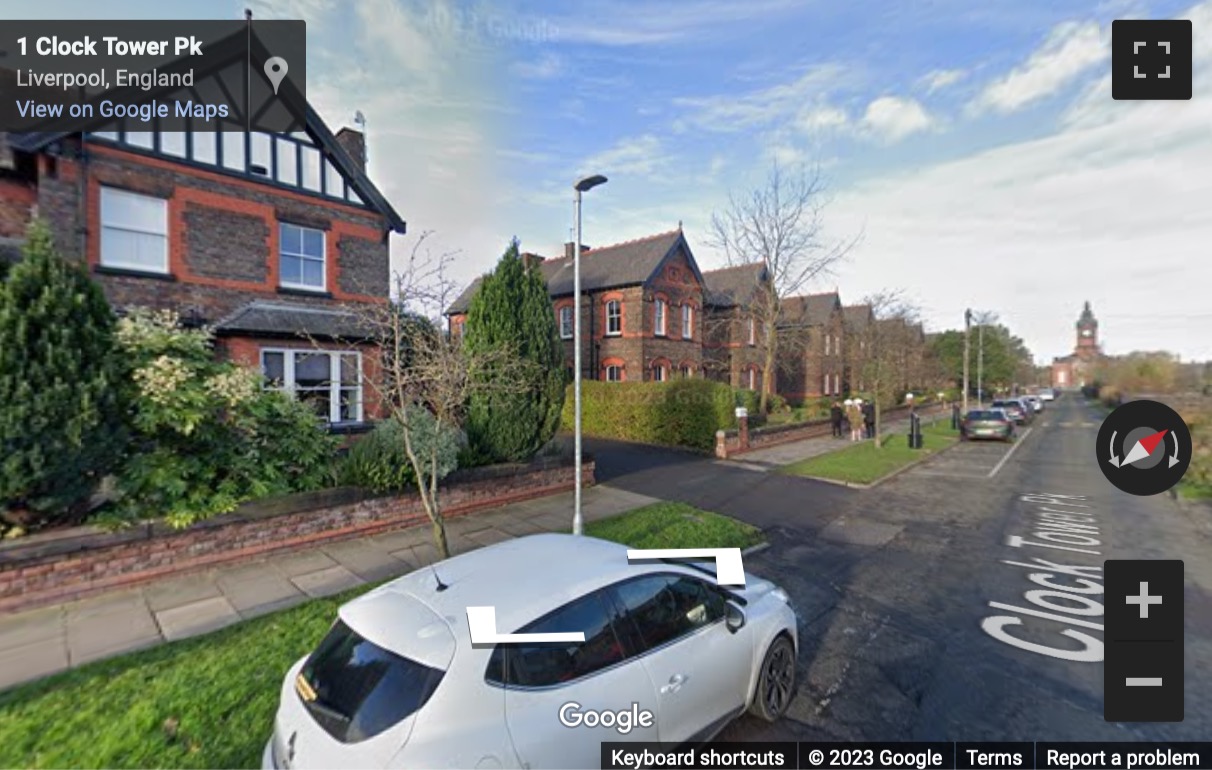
column 955, row 417
column 915, row 431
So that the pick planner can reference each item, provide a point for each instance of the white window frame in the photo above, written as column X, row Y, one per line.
column 305, row 257
column 618, row 316
column 658, row 373
column 658, row 317
column 753, row 378
column 687, row 322
column 128, row 228
column 752, row 331
column 566, row 333
column 825, row 390
column 687, row 372
column 837, row 384
column 617, row 370
column 828, row 345
column 334, row 379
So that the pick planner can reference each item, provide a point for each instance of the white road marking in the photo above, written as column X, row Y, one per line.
column 1006, row 456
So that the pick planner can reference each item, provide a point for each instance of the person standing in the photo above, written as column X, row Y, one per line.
column 854, row 415
column 869, row 418
column 835, row 418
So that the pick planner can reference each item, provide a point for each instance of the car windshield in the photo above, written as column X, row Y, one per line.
column 1007, row 405
column 355, row 689
column 987, row 415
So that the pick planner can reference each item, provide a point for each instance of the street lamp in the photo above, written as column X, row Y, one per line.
column 983, row 318
column 583, row 185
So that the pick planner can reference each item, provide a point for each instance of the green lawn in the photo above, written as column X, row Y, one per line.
column 209, row 701
column 864, row 463
column 1192, row 491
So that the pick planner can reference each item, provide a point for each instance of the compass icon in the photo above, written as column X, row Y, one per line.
column 1143, row 447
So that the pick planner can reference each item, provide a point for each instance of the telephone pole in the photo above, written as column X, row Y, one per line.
column 967, row 335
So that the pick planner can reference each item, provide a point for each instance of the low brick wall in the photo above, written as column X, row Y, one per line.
column 74, row 563
column 736, row 442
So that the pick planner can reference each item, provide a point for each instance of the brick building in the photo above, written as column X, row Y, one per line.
column 732, row 344
column 1076, row 369
column 269, row 239
column 641, row 308
column 857, row 321
column 811, row 339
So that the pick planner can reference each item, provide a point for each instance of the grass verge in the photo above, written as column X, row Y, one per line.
column 209, row 701
column 864, row 463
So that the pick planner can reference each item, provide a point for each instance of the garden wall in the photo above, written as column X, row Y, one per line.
column 73, row 563
column 735, row 442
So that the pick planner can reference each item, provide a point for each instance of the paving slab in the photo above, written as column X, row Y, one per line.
column 257, row 588
column 32, row 626
column 418, row 555
column 32, row 661
column 489, row 536
column 196, row 618
column 400, row 539
column 108, row 625
column 367, row 560
column 463, row 525
column 176, row 592
column 302, row 562
column 859, row 532
column 519, row 527
column 327, row 582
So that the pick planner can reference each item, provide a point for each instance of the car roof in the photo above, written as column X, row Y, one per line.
column 523, row 579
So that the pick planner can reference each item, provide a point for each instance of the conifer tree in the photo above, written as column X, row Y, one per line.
column 512, row 311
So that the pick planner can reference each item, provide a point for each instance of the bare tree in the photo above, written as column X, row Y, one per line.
column 884, row 341
column 779, row 225
column 424, row 376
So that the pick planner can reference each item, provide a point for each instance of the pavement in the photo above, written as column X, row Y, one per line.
column 44, row 641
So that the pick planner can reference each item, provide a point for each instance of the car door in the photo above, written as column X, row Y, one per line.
column 699, row 667
column 549, row 685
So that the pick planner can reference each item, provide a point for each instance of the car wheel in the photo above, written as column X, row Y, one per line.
column 776, row 682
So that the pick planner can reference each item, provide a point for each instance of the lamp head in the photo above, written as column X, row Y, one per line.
column 589, row 182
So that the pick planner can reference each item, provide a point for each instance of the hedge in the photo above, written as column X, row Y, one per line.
column 683, row 413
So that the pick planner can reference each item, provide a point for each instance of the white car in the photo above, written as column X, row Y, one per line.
column 668, row 656
column 1047, row 394
column 1035, row 402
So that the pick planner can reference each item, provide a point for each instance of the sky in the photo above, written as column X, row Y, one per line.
column 971, row 148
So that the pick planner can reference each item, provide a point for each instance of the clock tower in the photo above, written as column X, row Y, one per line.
column 1087, row 335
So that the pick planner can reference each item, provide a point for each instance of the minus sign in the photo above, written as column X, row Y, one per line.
column 1143, row 681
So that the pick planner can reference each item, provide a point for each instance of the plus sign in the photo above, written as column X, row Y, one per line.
column 1144, row 600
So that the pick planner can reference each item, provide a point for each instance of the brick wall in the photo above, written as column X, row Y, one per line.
column 730, row 443
column 57, row 567
column 17, row 199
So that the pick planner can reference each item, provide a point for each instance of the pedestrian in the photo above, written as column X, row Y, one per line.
column 854, row 415
column 835, row 418
column 869, row 418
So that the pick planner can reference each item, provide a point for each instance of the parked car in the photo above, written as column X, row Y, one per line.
column 1035, row 402
column 1016, row 410
column 397, row 681
column 987, row 423
column 1047, row 394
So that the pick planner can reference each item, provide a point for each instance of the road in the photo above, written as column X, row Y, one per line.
column 892, row 586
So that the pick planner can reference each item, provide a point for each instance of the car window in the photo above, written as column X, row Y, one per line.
column 661, row 608
column 355, row 689
column 551, row 663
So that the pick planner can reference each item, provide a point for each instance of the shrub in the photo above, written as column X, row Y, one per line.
column 511, row 311
column 777, row 403
column 378, row 461
column 61, row 405
column 677, row 413
column 1199, row 473
column 207, row 436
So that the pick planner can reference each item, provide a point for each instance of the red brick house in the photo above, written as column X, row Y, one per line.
column 641, row 308
column 732, row 344
column 1077, row 369
column 857, row 321
column 266, row 238
column 811, row 339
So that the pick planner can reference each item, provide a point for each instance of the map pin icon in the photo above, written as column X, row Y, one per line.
column 275, row 70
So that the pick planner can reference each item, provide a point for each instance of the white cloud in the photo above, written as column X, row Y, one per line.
column 763, row 106
column 644, row 23
column 891, row 118
column 634, row 156
column 937, row 80
column 543, row 67
column 821, row 117
column 1070, row 51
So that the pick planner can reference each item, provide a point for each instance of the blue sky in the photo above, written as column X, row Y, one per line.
column 973, row 145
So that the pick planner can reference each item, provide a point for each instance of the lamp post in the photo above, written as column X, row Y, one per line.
column 967, row 334
column 583, row 185
column 983, row 318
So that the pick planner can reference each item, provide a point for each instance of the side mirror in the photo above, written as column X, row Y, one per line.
column 734, row 618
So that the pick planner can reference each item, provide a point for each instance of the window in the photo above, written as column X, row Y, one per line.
column 233, row 151
column 329, row 381
column 553, row 663
column 173, row 143
column 566, row 324
column 614, row 373
column 301, row 251
column 658, row 318
column 204, row 147
column 687, row 371
column 687, row 322
column 614, row 317
column 311, row 169
column 134, row 231
column 751, row 378
column 752, row 331
column 828, row 346
column 661, row 608
column 658, row 372
column 356, row 689
column 287, row 156
column 144, row 139
column 825, row 390
column 837, row 384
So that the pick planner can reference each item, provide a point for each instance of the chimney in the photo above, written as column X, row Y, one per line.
column 354, row 143
column 530, row 258
column 570, row 246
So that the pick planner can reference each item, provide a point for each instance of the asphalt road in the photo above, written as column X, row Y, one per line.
column 892, row 586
